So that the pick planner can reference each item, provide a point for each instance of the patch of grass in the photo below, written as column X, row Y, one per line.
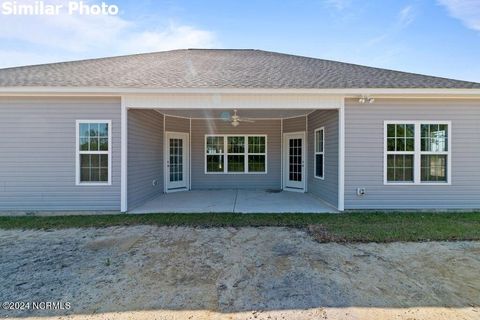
column 345, row 227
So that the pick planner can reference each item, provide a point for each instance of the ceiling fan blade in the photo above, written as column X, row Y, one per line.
column 246, row 120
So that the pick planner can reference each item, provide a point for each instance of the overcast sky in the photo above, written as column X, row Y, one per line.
column 436, row 37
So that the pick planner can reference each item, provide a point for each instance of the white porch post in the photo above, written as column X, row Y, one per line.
column 124, row 157
column 341, row 156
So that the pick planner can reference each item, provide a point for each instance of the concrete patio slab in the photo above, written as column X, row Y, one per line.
column 239, row 201
column 191, row 201
column 249, row 201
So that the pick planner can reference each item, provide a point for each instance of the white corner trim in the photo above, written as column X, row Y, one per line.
column 341, row 157
column 77, row 153
column 124, row 158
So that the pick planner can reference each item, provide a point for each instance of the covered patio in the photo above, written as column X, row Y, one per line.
column 232, row 153
column 235, row 201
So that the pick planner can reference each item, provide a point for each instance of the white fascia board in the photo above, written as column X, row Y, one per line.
column 381, row 92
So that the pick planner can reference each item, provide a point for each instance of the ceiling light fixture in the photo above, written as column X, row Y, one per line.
column 366, row 99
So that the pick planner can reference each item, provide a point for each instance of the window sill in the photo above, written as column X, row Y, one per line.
column 93, row 184
column 235, row 173
column 417, row 184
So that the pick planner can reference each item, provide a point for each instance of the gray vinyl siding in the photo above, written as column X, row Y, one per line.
column 364, row 155
column 326, row 189
column 145, row 156
column 37, row 154
column 296, row 124
column 271, row 180
column 177, row 124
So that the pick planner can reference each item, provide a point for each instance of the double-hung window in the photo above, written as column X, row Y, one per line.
column 417, row 152
column 93, row 152
column 319, row 161
column 400, row 152
column 434, row 152
column 235, row 154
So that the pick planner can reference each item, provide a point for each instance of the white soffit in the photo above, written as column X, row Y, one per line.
column 248, row 113
column 233, row 101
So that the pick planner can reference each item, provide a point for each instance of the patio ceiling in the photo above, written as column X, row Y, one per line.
column 246, row 113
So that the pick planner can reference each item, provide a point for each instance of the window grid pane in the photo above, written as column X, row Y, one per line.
column 93, row 137
column 236, row 144
column 256, row 144
column 434, row 137
column 94, row 153
column 434, row 168
column 214, row 163
column 256, row 163
column 400, row 137
column 236, row 163
column 215, row 145
column 93, row 167
column 400, row 168
column 319, row 141
column 319, row 165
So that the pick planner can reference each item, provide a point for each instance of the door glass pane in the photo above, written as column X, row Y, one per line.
column 295, row 159
column 176, row 160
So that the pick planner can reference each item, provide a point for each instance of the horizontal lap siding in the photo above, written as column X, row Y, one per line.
column 37, row 154
column 326, row 189
column 177, row 124
column 200, row 180
column 145, row 156
column 297, row 124
column 364, row 152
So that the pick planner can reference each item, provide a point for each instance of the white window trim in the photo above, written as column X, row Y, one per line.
column 322, row 153
column 78, row 152
column 225, row 153
column 418, row 153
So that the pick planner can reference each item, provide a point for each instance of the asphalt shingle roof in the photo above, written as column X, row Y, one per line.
column 210, row 68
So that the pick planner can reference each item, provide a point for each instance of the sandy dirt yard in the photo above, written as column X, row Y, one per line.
column 149, row 272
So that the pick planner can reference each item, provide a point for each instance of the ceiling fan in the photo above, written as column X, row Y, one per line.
column 234, row 119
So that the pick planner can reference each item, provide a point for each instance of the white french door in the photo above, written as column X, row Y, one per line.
column 294, row 161
column 177, row 161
